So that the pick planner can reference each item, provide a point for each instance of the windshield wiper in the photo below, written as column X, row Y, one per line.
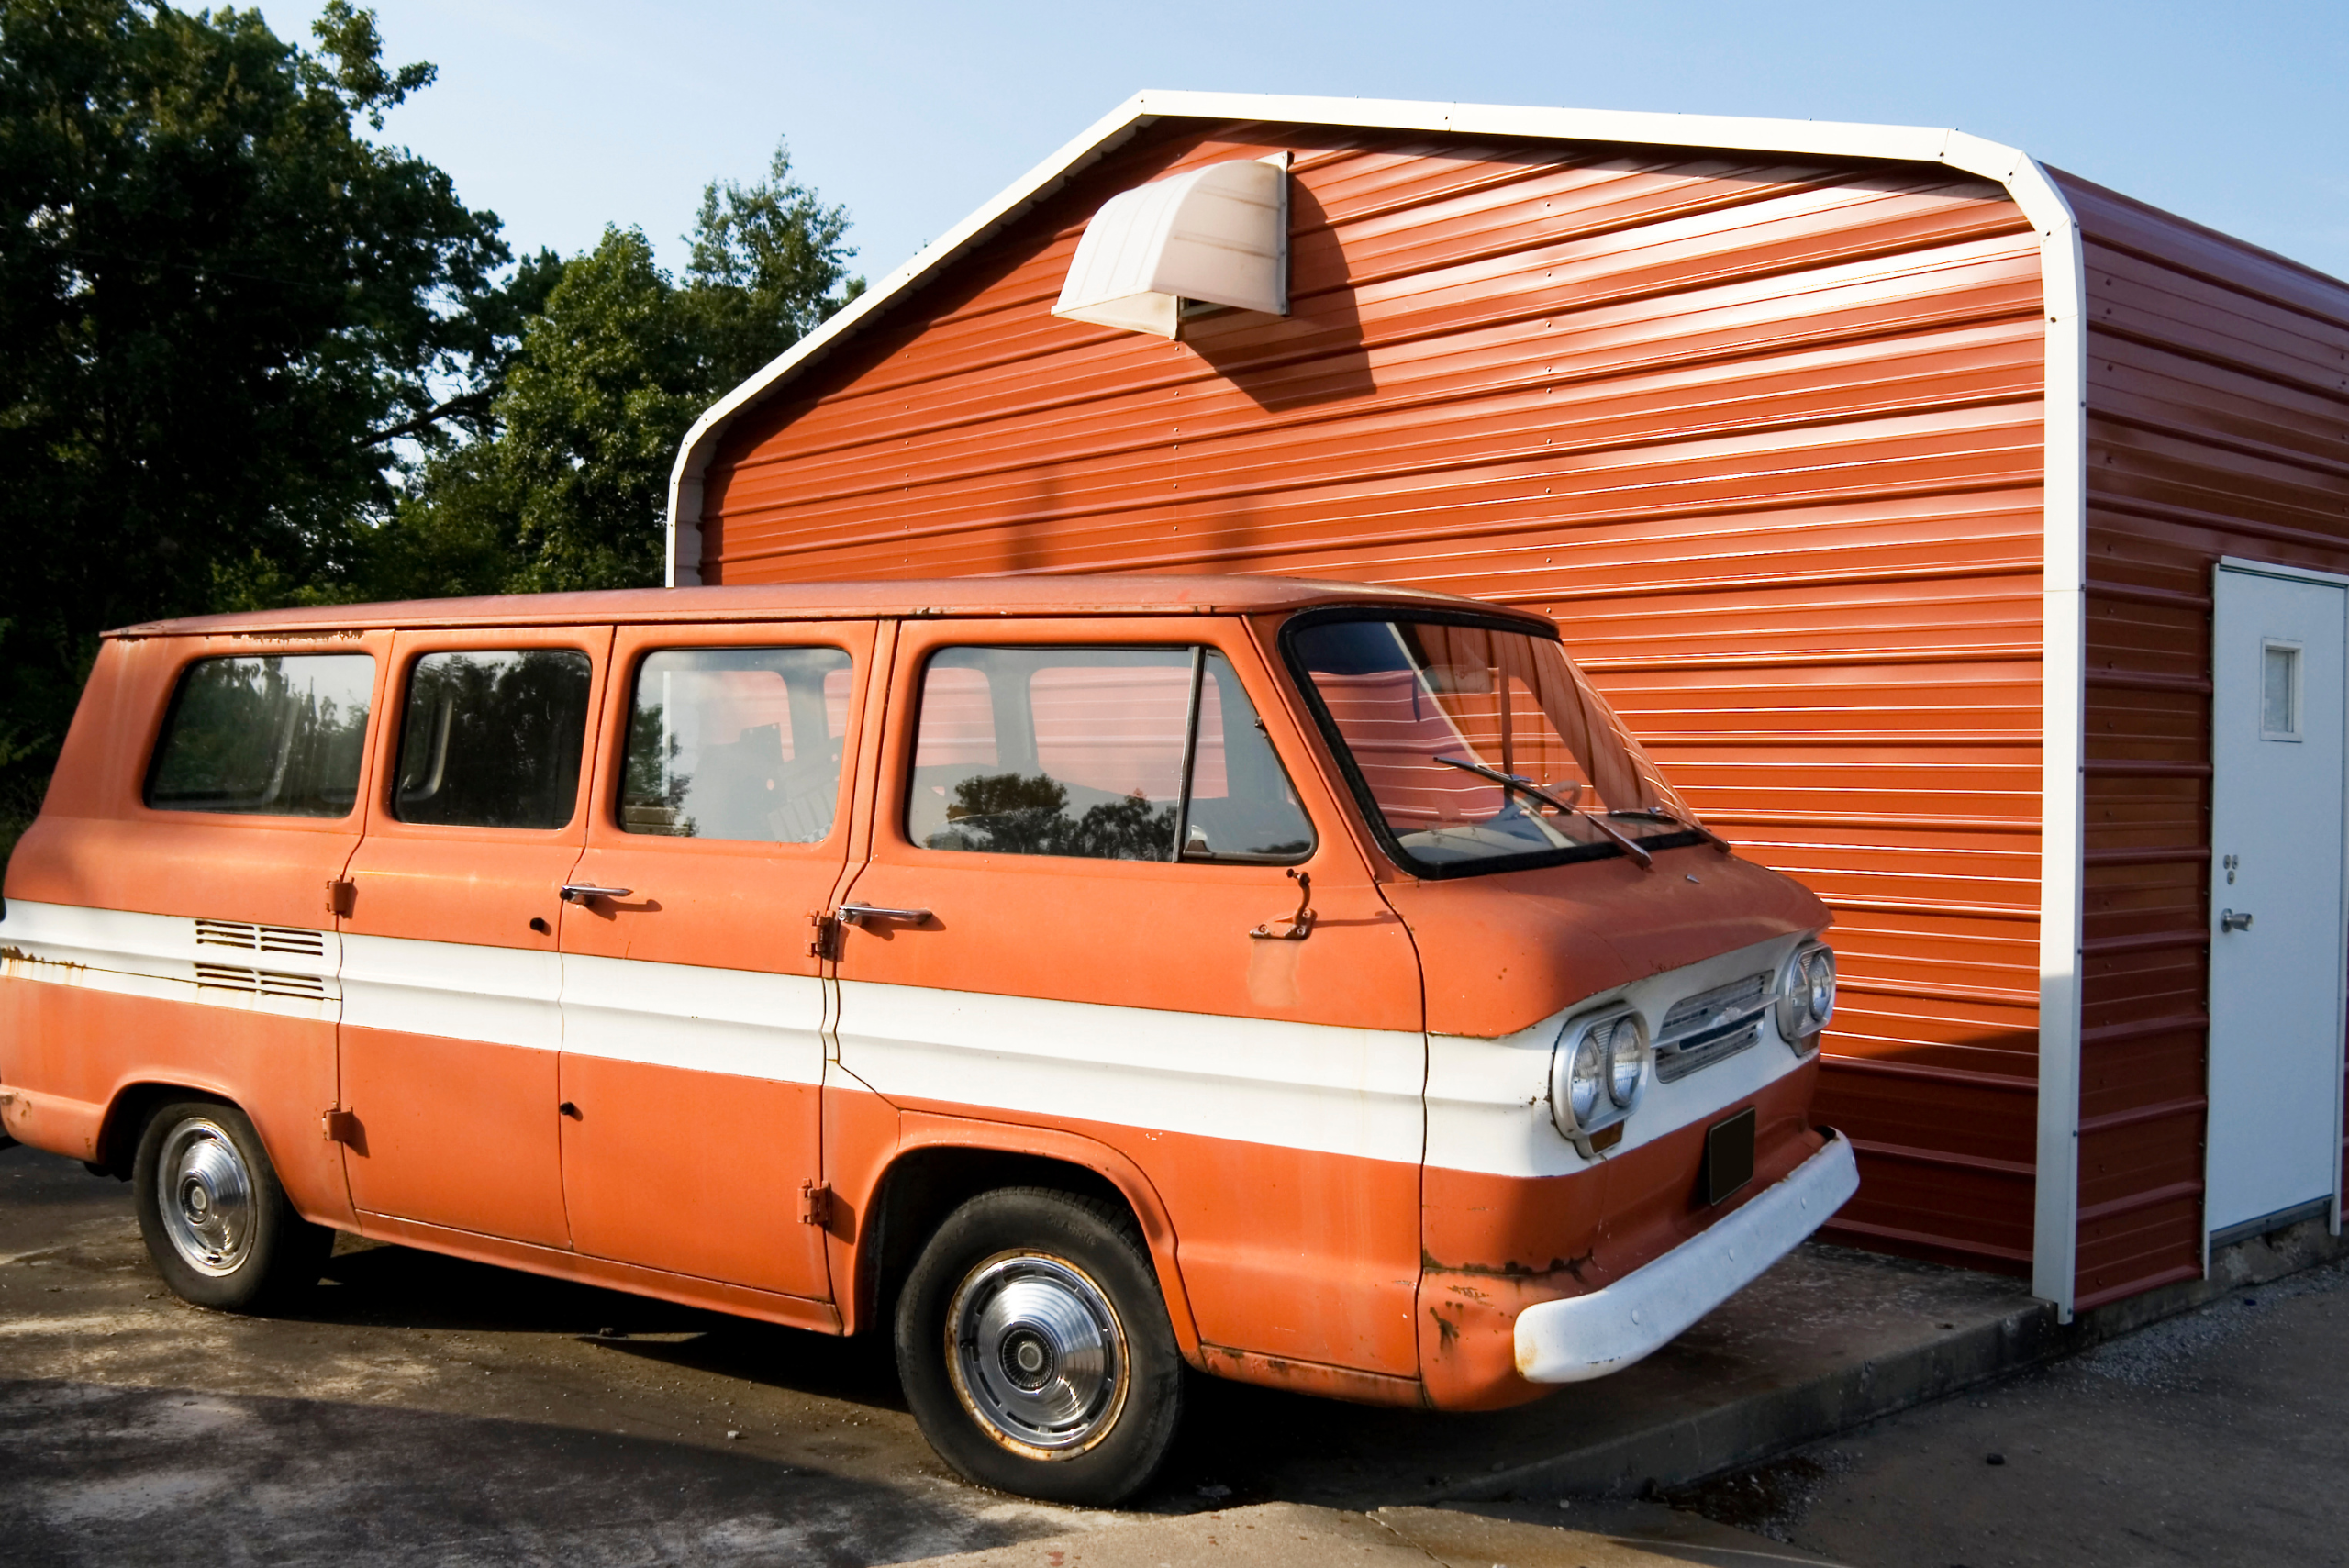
column 1623, row 841
column 1659, row 814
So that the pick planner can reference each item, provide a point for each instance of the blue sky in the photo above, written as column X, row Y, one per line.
column 564, row 115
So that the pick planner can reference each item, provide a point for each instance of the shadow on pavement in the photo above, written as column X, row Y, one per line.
column 132, row 1477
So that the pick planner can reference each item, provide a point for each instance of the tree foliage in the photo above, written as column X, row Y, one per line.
column 220, row 306
column 572, row 491
column 250, row 354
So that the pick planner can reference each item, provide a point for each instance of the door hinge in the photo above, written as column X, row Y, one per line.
column 342, row 896
column 815, row 1203
column 826, row 943
column 339, row 1126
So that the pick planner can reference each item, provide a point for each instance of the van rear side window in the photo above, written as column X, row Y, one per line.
column 267, row 737
column 493, row 739
column 737, row 743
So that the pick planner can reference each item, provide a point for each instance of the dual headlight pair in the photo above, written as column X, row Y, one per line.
column 1601, row 1059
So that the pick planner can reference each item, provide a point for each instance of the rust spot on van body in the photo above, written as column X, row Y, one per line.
column 1512, row 1271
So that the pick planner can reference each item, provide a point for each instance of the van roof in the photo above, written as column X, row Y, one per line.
column 974, row 596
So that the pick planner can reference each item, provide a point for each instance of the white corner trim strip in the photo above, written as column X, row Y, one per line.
column 1589, row 1335
column 2055, row 1210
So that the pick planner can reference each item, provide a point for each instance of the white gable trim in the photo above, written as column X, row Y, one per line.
column 1818, row 138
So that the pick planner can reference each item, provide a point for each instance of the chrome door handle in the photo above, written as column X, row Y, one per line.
column 2230, row 921
column 580, row 892
column 858, row 914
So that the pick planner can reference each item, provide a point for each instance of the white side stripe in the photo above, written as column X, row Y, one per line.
column 164, row 957
column 503, row 995
column 1469, row 1105
column 1318, row 1087
column 707, row 1020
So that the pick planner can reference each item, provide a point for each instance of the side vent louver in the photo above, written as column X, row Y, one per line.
column 289, row 939
column 259, row 981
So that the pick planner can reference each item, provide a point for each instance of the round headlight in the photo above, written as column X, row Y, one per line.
column 1627, row 1059
column 1586, row 1079
column 1806, row 995
column 1820, row 981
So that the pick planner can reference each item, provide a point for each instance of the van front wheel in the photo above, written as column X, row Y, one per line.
column 217, row 1224
column 1034, row 1348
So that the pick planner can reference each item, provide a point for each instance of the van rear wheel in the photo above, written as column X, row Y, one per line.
column 1034, row 1346
column 217, row 1221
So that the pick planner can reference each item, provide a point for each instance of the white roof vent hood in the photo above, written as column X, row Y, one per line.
column 1217, row 235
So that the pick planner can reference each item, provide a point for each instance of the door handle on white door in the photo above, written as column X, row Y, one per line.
column 2230, row 920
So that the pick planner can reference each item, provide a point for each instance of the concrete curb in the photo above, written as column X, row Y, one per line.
column 1763, row 1423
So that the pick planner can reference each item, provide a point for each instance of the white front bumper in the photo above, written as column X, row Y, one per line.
column 1590, row 1335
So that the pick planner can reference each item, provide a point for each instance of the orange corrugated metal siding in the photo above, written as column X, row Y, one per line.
column 2219, row 424
column 1763, row 436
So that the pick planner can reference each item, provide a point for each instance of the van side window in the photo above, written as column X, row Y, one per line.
column 493, row 739
column 736, row 743
column 267, row 737
column 1083, row 751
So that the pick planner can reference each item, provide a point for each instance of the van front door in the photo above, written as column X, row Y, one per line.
column 693, row 1003
column 450, row 975
column 1026, row 947
column 2274, row 1151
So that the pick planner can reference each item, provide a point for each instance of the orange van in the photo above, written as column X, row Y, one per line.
column 1081, row 979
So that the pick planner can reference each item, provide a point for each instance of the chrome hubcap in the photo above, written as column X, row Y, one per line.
column 1038, row 1354
column 206, row 1197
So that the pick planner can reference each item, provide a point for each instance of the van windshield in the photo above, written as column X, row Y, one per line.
column 1478, row 747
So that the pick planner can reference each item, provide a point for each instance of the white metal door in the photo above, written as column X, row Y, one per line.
column 2277, row 934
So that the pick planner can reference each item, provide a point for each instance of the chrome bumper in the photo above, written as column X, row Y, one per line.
column 1589, row 1335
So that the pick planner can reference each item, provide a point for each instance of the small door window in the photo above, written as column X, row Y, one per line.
column 1104, row 753
column 265, row 737
column 493, row 739
column 2279, row 692
column 739, row 743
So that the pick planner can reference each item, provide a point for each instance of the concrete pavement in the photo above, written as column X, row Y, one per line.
column 425, row 1410
column 1283, row 1535
column 2212, row 1438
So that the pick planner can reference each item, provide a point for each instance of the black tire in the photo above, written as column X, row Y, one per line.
column 1067, row 1384
column 218, row 1223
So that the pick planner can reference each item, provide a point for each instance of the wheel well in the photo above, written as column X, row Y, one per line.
column 126, row 1118
column 921, row 1190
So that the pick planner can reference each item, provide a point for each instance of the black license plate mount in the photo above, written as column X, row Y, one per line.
column 1728, row 1156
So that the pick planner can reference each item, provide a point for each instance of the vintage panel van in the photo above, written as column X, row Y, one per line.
column 1081, row 979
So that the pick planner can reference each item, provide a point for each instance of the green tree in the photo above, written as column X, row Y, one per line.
column 571, row 491
column 222, row 309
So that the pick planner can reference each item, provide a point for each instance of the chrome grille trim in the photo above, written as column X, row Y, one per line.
column 1711, row 1025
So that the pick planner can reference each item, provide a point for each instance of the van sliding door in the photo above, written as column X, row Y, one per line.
column 693, row 1053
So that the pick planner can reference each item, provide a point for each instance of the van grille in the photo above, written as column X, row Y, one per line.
column 259, row 981
column 1702, row 1029
column 289, row 939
